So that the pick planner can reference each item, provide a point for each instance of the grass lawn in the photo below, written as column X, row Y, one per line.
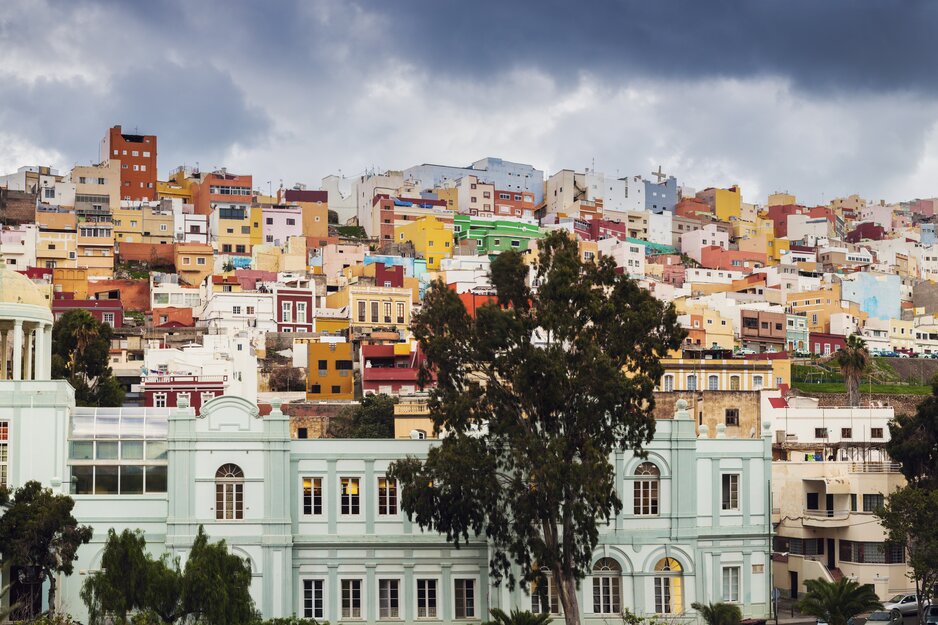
column 885, row 389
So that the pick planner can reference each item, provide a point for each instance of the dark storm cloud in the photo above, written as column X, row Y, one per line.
column 818, row 44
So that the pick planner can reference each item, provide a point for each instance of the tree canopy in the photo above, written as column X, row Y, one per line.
column 719, row 613
column 372, row 418
column 534, row 394
column 909, row 520
column 80, row 354
column 212, row 589
column 38, row 530
column 853, row 360
column 913, row 441
column 836, row 602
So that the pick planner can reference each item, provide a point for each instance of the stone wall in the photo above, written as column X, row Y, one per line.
column 903, row 404
column 711, row 407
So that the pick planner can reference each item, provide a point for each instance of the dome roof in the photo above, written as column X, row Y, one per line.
column 15, row 288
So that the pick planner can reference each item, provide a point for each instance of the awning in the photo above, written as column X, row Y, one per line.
column 832, row 485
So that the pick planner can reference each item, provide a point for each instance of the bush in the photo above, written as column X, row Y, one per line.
column 287, row 379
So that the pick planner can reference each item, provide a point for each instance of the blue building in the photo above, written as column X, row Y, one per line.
column 878, row 294
column 505, row 175
column 661, row 196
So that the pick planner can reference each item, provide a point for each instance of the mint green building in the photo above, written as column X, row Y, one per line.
column 495, row 235
column 321, row 527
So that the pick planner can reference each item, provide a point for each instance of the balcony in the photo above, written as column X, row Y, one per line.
column 874, row 467
column 826, row 518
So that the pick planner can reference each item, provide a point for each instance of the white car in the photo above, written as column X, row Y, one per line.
column 907, row 604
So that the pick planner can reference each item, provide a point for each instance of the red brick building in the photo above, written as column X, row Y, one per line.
column 389, row 275
column 295, row 309
column 109, row 311
column 514, row 203
column 137, row 155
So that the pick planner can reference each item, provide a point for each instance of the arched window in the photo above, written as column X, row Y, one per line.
column 607, row 590
column 646, row 489
column 713, row 383
column 669, row 589
column 229, row 492
column 692, row 382
column 734, row 382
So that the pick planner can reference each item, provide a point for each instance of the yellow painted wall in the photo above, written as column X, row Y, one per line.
column 728, row 203
column 781, row 199
column 432, row 239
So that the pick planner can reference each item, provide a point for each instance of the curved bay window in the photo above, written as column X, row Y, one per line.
column 229, row 493
column 669, row 589
column 607, row 586
column 646, row 489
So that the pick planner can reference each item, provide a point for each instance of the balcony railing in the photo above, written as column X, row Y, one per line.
column 826, row 514
column 874, row 467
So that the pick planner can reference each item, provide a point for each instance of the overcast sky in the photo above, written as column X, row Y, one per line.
column 820, row 98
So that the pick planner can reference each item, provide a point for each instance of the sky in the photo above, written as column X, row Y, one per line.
column 818, row 98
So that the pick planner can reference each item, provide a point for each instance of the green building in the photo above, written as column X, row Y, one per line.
column 495, row 235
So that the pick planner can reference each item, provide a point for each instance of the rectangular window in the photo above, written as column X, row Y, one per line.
column 4, row 451
column 301, row 312
column 731, row 584
column 732, row 416
column 374, row 312
column 387, row 496
column 389, row 598
column 730, row 491
column 159, row 400
column 108, row 318
column 876, row 432
column 400, row 312
column 465, row 598
column 871, row 503
column 361, row 311
column 426, row 598
column 846, row 432
column 351, row 598
column 286, row 312
column 350, row 495
column 544, row 598
column 236, row 310
column 820, row 432
column 313, row 600
column 312, row 495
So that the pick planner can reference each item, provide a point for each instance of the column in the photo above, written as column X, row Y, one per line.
column 28, row 356
column 39, row 349
column 46, row 373
column 18, row 349
column 3, row 354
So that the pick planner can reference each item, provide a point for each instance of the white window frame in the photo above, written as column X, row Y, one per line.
column 187, row 397
column 389, row 502
column 358, row 497
column 475, row 598
column 731, row 583
column 436, row 598
column 731, row 481
column 351, row 615
column 397, row 584
column 159, row 400
column 286, row 312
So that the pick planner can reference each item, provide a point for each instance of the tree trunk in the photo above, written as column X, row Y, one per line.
column 51, row 577
column 853, row 390
column 566, row 586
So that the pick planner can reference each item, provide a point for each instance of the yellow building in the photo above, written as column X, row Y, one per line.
column 57, row 240
column 71, row 280
column 257, row 228
column 450, row 196
column 818, row 306
column 194, row 261
column 725, row 203
column 781, row 199
column 901, row 334
column 97, row 186
column 128, row 223
column 174, row 189
column 692, row 374
column 232, row 229
column 432, row 239
column 374, row 308
column 412, row 416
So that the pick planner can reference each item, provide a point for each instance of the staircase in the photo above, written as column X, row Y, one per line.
column 836, row 574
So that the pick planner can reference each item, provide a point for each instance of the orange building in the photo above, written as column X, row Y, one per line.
column 315, row 207
column 193, row 262
column 329, row 371
column 221, row 188
column 137, row 156
column 514, row 203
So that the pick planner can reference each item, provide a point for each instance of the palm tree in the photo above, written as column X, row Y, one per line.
column 836, row 602
column 853, row 360
column 719, row 613
column 517, row 617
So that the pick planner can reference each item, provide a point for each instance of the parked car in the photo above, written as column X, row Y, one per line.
column 882, row 617
column 906, row 604
column 931, row 615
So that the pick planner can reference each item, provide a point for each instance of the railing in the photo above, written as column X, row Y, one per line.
column 874, row 467
column 826, row 514
column 183, row 378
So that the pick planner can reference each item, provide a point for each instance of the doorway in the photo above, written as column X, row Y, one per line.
column 831, row 559
column 793, row 582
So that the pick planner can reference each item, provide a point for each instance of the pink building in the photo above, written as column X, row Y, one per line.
column 335, row 257
column 280, row 222
column 715, row 257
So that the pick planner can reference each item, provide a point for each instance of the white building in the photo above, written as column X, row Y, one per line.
column 18, row 245
column 693, row 242
column 188, row 227
column 627, row 254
